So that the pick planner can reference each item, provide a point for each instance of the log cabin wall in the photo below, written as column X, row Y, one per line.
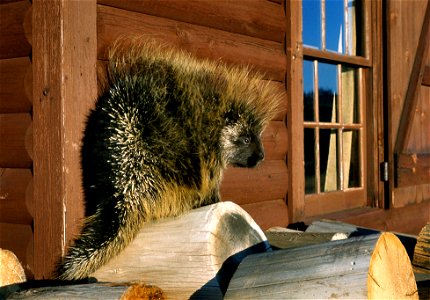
column 16, row 133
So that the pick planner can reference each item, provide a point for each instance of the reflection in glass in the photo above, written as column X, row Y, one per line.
column 350, row 112
column 311, row 23
column 328, row 160
column 327, row 90
column 308, row 87
column 335, row 25
column 351, row 159
column 310, row 150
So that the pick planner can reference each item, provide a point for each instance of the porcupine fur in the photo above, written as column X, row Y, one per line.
column 164, row 128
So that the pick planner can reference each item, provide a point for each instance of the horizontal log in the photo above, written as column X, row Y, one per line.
column 421, row 260
column 13, row 41
column 331, row 226
column 28, row 25
column 261, row 19
column 275, row 141
column 187, row 255
column 265, row 56
column 413, row 169
column 15, row 192
column 374, row 266
column 14, row 140
column 268, row 213
column 266, row 182
column 105, row 291
column 285, row 238
column 19, row 239
column 13, row 85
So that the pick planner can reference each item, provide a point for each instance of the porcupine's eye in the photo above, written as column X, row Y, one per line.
column 248, row 152
column 246, row 140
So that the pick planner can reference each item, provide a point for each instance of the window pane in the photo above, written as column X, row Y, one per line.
column 327, row 92
column 328, row 160
column 308, row 89
column 350, row 101
column 351, row 159
column 311, row 23
column 310, row 179
column 335, row 25
column 354, row 44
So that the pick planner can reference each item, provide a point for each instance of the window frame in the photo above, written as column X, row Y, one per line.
column 302, row 206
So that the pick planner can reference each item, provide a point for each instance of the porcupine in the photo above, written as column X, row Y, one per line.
column 165, row 127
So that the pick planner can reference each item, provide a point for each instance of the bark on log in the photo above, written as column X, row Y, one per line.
column 105, row 291
column 421, row 259
column 374, row 266
column 187, row 255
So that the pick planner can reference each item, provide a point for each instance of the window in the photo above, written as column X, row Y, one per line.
column 335, row 67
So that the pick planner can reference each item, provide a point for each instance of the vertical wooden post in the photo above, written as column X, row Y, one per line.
column 64, row 87
column 294, row 81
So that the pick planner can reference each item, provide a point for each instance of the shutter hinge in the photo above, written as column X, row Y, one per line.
column 384, row 171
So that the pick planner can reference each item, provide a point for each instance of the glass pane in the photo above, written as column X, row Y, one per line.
column 308, row 90
column 335, row 25
column 351, row 159
column 311, row 23
column 310, row 179
column 327, row 92
column 328, row 160
column 354, row 44
column 350, row 100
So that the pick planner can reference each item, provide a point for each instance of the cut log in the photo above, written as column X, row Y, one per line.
column 421, row 261
column 374, row 266
column 195, row 254
column 285, row 238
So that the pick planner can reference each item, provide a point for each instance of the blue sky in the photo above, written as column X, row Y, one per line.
column 312, row 37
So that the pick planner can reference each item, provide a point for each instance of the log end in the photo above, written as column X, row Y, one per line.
column 390, row 274
column 144, row 292
column 11, row 269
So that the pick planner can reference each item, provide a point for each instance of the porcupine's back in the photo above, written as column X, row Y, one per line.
column 153, row 117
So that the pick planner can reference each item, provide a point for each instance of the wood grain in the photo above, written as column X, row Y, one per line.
column 13, row 42
column 22, row 247
column 268, row 213
column 13, row 97
column 188, row 259
column 64, row 87
column 421, row 259
column 409, row 219
column 14, row 196
column 294, row 83
column 13, row 149
column 264, row 56
column 337, row 269
column 275, row 141
column 413, row 169
column 256, row 18
column 268, row 181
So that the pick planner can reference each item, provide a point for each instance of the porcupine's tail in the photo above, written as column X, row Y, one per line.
column 98, row 242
